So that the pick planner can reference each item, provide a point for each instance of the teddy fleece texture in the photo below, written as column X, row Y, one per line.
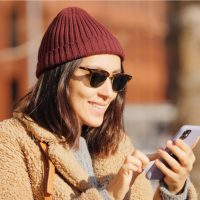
column 22, row 166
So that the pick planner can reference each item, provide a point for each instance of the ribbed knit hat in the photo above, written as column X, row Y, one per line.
column 74, row 34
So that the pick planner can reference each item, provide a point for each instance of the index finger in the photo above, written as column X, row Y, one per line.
column 182, row 145
column 141, row 156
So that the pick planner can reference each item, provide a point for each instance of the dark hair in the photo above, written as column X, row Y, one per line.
column 48, row 105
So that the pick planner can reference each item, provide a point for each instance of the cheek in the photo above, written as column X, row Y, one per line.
column 78, row 94
column 78, row 87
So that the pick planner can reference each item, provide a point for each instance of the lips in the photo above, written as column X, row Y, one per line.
column 98, row 107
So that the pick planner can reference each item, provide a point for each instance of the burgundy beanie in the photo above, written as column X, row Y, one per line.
column 74, row 34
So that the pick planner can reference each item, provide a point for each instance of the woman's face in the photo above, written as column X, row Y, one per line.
column 89, row 103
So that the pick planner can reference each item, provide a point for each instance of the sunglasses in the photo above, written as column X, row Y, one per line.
column 97, row 77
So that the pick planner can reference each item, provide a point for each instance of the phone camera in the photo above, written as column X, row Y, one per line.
column 185, row 134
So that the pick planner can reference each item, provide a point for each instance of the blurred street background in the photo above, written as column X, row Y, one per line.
column 162, row 45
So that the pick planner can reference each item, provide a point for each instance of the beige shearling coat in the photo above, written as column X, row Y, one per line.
column 22, row 166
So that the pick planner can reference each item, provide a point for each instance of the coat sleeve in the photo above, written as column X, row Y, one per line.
column 15, row 182
column 191, row 193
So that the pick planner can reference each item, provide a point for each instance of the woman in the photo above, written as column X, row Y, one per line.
column 66, row 139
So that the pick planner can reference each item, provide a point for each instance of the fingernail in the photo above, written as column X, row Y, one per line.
column 140, row 170
column 169, row 142
column 156, row 161
column 159, row 150
column 177, row 140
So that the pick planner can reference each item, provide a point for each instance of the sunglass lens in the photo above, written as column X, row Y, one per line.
column 119, row 82
column 97, row 79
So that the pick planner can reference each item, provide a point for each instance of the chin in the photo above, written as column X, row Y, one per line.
column 94, row 123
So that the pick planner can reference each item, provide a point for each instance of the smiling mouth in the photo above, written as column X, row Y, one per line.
column 98, row 106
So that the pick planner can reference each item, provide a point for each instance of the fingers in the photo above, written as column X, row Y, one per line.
column 142, row 157
column 180, row 159
column 164, row 169
column 138, row 160
column 182, row 151
column 177, row 162
column 153, row 156
column 169, row 166
column 130, row 160
column 182, row 145
column 129, row 168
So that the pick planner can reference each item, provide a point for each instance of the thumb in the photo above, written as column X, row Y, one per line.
column 152, row 156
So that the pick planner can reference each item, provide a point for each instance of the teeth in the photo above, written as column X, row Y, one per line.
column 98, row 106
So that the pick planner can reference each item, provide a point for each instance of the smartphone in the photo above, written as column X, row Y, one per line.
column 189, row 134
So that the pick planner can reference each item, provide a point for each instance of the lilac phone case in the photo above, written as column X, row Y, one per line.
column 189, row 134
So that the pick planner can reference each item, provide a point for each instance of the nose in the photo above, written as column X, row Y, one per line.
column 105, row 90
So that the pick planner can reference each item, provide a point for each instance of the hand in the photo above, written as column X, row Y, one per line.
column 133, row 165
column 178, row 170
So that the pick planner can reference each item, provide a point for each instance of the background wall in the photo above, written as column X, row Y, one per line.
column 161, row 42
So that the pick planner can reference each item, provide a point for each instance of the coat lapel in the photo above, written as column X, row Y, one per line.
column 68, row 166
column 61, row 156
